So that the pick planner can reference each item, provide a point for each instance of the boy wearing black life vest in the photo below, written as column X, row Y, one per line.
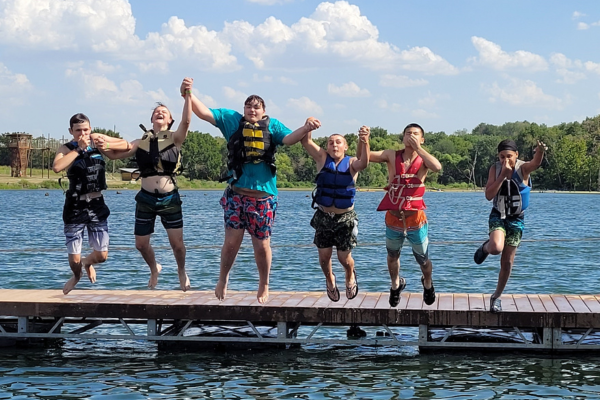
column 250, row 200
column 405, row 210
column 335, row 221
column 84, row 204
column 158, row 155
column 508, row 185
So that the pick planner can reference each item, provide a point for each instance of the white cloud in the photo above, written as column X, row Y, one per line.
column 66, row 25
column 431, row 99
column 349, row 89
column 108, row 27
column 582, row 26
column 420, row 113
column 234, row 95
column 592, row 67
column 14, row 88
column 400, row 81
column 334, row 33
column 577, row 14
column 206, row 99
column 492, row 55
column 95, row 85
column 306, row 105
column 569, row 70
column 523, row 93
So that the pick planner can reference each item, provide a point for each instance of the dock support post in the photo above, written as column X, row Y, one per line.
column 423, row 335
column 557, row 341
column 282, row 330
column 22, row 324
column 151, row 327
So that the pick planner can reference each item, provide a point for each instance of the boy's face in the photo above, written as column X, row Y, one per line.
column 80, row 129
column 510, row 156
column 336, row 146
column 412, row 134
column 253, row 111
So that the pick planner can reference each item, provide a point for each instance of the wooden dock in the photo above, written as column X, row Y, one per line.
column 541, row 322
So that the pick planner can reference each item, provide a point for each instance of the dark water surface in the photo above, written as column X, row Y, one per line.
column 559, row 255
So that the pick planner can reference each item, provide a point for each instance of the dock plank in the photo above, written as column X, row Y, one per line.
column 591, row 302
column 548, row 303
column 445, row 301
column 536, row 303
column 522, row 302
column 577, row 303
column 561, row 302
column 476, row 302
column 461, row 302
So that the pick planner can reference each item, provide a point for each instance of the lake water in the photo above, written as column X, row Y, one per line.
column 559, row 255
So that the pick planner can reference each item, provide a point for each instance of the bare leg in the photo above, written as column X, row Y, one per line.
column 427, row 270
column 75, row 264
column 262, row 256
column 95, row 257
column 345, row 258
column 325, row 263
column 393, row 262
column 231, row 246
column 495, row 245
column 506, row 263
column 176, row 241
column 142, row 243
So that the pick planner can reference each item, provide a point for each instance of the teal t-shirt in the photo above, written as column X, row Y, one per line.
column 255, row 176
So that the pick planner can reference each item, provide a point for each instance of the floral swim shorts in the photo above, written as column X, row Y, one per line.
column 256, row 215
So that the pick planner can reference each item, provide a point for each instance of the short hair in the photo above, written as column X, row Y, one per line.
column 414, row 126
column 337, row 134
column 159, row 104
column 252, row 98
column 78, row 118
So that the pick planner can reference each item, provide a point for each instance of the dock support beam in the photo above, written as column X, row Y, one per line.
column 151, row 327
column 22, row 324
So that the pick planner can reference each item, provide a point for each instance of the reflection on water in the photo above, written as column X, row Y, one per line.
column 558, row 258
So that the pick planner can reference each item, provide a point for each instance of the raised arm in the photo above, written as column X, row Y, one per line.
column 110, row 146
column 198, row 107
column 363, row 151
column 535, row 162
column 310, row 125
column 382, row 156
column 186, row 117
column 317, row 153
column 430, row 161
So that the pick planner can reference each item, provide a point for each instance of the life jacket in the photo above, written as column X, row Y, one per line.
column 157, row 154
column 87, row 173
column 335, row 185
column 251, row 143
column 406, row 190
column 513, row 197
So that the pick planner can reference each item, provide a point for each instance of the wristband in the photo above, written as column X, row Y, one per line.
column 107, row 145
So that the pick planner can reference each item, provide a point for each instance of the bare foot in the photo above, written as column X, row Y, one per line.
column 221, row 290
column 70, row 285
column 154, row 276
column 91, row 272
column 185, row 282
column 263, row 293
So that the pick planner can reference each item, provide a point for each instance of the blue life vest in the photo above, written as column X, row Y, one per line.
column 335, row 185
column 513, row 197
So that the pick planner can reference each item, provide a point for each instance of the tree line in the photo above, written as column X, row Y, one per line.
column 572, row 161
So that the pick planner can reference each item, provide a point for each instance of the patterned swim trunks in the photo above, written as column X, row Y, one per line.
column 339, row 230
column 512, row 227
column 256, row 215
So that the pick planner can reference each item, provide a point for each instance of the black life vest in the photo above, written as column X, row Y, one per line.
column 157, row 154
column 87, row 173
column 251, row 143
column 335, row 184
column 512, row 198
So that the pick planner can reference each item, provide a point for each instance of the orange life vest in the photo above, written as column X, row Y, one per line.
column 406, row 190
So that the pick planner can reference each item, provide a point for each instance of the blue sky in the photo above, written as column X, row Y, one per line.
column 447, row 65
